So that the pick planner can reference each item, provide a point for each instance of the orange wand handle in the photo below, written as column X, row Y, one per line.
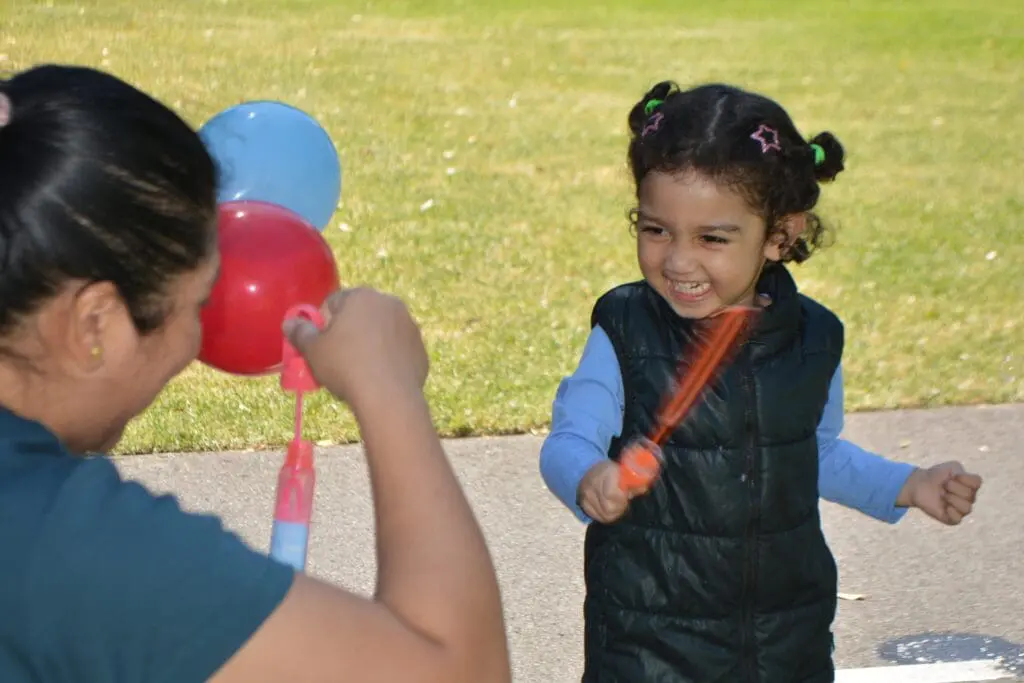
column 640, row 463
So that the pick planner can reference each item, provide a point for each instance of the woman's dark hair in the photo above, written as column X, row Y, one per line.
column 741, row 139
column 98, row 182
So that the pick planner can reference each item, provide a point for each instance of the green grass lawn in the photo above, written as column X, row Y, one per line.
column 510, row 117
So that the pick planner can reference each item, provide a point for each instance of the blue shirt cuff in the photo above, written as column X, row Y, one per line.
column 898, row 474
column 574, row 458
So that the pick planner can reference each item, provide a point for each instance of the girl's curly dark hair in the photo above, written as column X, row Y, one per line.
column 742, row 139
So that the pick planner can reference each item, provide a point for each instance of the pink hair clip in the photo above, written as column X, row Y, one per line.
column 653, row 124
column 768, row 137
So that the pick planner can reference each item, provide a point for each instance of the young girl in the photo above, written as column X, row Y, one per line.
column 720, row 572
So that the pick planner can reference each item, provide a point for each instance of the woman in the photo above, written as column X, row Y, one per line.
column 107, row 253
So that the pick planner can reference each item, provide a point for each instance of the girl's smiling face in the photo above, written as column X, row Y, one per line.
column 700, row 245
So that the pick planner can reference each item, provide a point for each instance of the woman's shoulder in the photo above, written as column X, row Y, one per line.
column 56, row 499
column 35, row 472
column 73, row 511
column 96, row 559
column 50, row 497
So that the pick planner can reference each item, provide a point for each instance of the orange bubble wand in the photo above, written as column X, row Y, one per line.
column 640, row 463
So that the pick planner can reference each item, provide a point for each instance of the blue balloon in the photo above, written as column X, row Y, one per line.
column 273, row 152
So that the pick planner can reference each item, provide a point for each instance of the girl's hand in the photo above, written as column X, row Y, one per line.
column 944, row 492
column 600, row 495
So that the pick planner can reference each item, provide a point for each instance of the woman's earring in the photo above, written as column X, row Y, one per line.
column 97, row 352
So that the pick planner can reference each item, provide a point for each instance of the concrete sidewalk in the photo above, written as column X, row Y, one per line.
column 931, row 594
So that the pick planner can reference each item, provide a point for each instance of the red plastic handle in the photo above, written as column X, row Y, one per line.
column 295, row 374
column 296, row 481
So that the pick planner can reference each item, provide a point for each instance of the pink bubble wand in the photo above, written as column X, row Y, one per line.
column 296, row 481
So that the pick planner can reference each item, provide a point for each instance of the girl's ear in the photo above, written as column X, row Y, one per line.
column 785, row 236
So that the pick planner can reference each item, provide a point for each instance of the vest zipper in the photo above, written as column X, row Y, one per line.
column 749, row 649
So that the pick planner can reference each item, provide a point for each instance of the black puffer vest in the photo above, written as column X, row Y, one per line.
column 721, row 573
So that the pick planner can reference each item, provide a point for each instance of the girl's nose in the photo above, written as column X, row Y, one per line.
column 681, row 260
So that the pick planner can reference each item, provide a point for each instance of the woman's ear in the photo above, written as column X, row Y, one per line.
column 95, row 311
column 785, row 236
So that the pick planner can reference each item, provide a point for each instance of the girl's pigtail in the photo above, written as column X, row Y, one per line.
column 828, row 155
column 642, row 110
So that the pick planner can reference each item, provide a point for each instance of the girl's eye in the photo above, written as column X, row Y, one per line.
column 653, row 230
column 714, row 239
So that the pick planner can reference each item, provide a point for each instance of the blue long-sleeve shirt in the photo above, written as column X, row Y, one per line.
column 587, row 415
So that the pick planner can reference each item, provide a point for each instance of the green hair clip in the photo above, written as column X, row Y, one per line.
column 651, row 106
column 819, row 154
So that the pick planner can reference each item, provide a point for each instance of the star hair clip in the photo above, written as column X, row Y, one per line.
column 654, row 118
column 653, row 124
column 768, row 137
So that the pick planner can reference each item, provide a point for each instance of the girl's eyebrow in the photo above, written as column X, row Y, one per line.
column 644, row 216
column 721, row 227
column 709, row 227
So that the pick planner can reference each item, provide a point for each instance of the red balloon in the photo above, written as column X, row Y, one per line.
column 270, row 260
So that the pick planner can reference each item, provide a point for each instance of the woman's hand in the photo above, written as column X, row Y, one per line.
column 369, row 345
column 436, row 614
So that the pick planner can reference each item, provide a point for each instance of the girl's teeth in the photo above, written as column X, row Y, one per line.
column 690, row 287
